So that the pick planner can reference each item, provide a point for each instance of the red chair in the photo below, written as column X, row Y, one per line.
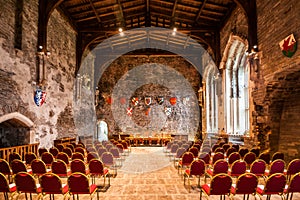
column 5, row 168
column 126, row 146
column 226, row 146
column 186, row 160
column 205, row 157
column 60, row 147
column 54, row 151
column 196, row 169
column 293, row 186
column 97, row 169
column 293, row 168
column 101, row 150
column 79, row 184
column 180, row 151
column 236, row 146
column 219, row 149
column 221, row 166
column 258, row 167
column 249, row 158
column 51, row 184
column 41, row 151
column 47, row 158
column 25, row 183
column 194, row 151
column 80, row 150
column 117, row 157
column 173, row 150
column 77, row 155
column 18, row 166
column 216, row 157
column 91, row 155
column 256, row 151
column 277, row 155
column 219, row 185
column 71, row 147
column 277, row 166
column 59, row 168
column 29, row 157
column 68, row 151
column 243, row 152
column 265, row 156
column 234, row 156
column 237, row 168
column 38, row 167
column 230, row 151
column 6, row 188
column 275, row 184
column 214, row 147
column 121, row 149
column 14, row 156
column 246, row 184
column 78, row 165
column 63, row 156
column 198, row 146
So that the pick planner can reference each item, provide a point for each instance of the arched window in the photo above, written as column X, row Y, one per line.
column 237, row 89
column 212, row 100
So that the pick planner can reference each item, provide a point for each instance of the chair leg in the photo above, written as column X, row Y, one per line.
column 200, row 194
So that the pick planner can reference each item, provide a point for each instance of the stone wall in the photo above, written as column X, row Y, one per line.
column 162, row 75
column 18, row 71
column 273, row 98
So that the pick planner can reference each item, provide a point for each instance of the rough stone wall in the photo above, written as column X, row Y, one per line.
column 277, row 20
column 18, row 69
column 142, row 113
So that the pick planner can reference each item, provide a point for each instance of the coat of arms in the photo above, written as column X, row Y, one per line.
column 288, row 45
column 129, row 111
column 39, row 97
column 160, row 100
column 168, row 110
column 185, row 100
column 148, row 101
column 135, row 101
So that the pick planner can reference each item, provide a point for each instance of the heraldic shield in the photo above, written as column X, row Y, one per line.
column 160, row 100
column 168, row 110
column 148, row 101
column 39, row 97
column 135, row 101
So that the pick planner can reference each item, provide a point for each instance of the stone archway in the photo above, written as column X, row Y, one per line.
column 15, row 129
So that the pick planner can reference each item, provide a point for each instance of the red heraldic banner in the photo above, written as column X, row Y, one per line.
column 288, row 45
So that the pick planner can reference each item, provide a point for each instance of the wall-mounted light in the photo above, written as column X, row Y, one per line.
column 174, row 31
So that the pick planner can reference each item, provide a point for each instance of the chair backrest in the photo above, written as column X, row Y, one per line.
column 198, row 146
column 71, row 147
column 29, row 157
column 221, row 166
column 174, row 148
column 236, row 146
column 214, row 147
column 14, row 156
column 115, row 152
column 275, row 184
column 47, row 158
column 218, row 156
column 246, row 184
column 197, row 168
column 17, row 166
column 205, row 157
column 68, row 151
column 220, row 149
column 226, row 146
column 277, row 166
column 101, row 150
column 50, row 183
column 107, row 159
column 60, row 147
column 293, row 167
column 233, row 157
column 109, row 146
column 230, row 151
column 77, row 165
column 59, row 167
column 187, row 158
column 41, row 151
column 277, row 155
column 120, row 147
column 78, row 183
column 249, row 158
column 238, row 168
column 77, row 155
column 80, row 150
column 180, row 151
column 256, row 151
column 294, row 184
column 38, row 167
column 265, row 156
column 25, row 183
column 243, row 152
column 54, row 151
column 258, row 167
column 220, row 184
column 4, row 185
column 4, row 167
column 91, row 155
column 194, row 151
column 96, row 166
column 63, row 156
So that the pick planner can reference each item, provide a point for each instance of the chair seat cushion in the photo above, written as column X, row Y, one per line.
column 260, row 189
column 188, row 172
column 12, row 187
column 210, row 171
column 206, row 188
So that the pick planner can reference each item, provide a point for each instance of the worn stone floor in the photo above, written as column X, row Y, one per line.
column 148, row 174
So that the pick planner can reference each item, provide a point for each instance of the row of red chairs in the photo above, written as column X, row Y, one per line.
column 49, row 183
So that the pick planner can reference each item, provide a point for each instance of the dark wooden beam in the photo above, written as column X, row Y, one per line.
column 95, row 11
column 173, row 13
column 200, row 11
column 249, row 7
column 122, row 13
column 46, row 8
column 148, row 16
